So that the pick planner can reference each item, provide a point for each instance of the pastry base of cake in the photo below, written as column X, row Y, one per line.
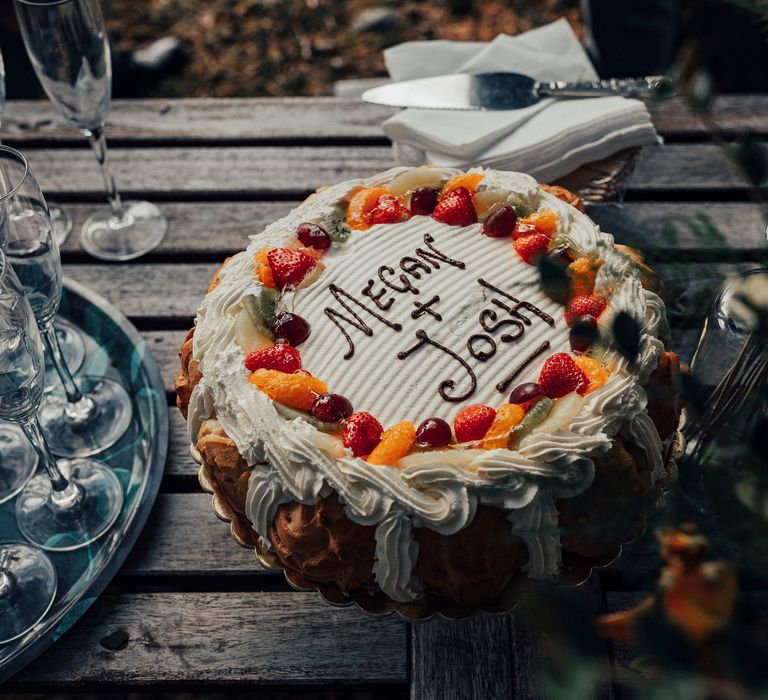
column 574, row 572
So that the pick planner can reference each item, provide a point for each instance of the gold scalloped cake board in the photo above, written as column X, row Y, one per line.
column 575, row 569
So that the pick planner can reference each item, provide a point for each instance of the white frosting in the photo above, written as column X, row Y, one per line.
column 440, row 489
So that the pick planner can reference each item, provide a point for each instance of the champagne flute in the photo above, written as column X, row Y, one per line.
column 62, row 221
column 71, row 342
column 74, row 501
column 67, row 43
column 18, row 459
column 88, row 414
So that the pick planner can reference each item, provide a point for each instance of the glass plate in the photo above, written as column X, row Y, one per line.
column 114, row 349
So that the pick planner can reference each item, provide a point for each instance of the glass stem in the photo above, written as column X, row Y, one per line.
column 64, row 494
column 80, row 408
column 99, row 145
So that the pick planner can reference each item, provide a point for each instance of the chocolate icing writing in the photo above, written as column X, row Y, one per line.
column 435, row 257
column 356, row 321
column 407, row 284
column 504, row 384
column 489, row 316
column 426, row 308
column 514, row 311
column 376, row 298
column 481, row 355
column 413, row 265
column 447, row 384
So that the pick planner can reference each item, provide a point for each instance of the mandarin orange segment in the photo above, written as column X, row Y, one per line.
column 360, row 206
column 507, row 417
column 583, row 272
column 468, row 180
column 295, row 390
column 595, row 372
column 544, row 221
column 263, row 270
column 396, row 442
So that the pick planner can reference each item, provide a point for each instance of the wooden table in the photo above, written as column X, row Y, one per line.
column 191, row 610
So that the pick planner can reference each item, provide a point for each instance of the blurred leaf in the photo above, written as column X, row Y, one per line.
column 752, row 157
column 626, row 335
column 554, row 279
column 701, row 90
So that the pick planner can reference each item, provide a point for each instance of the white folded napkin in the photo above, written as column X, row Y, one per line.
column 547, row 140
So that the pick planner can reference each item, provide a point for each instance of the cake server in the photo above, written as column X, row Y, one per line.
column 476, row 91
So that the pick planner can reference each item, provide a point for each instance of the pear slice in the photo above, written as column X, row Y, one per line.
column 413, row 179
column 563, row 412
column 249, row 337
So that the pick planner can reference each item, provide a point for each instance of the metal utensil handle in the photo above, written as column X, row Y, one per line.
column 626, row 87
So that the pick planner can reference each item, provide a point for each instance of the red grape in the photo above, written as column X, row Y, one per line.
column 523, row 393
column 583, row 333
column 423, row 201
column 433, row 432
column 313, row 236
column 332, row 408
column 291, row 328
column 500, row 223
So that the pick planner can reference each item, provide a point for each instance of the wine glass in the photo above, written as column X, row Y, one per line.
column 67, row 43
column 62, row 221
column 74, row 501
column 27, row 589
column 88, row 414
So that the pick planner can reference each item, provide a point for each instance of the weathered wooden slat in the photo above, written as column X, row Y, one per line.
column 489, row 657
column 226, row 638
column 693, row 229
column 313, row 118
column 224, row 171
column 163, row 292
column 184, row 537
column 208, row 120
column 462, row 660
column 270, row 172
column 217, row 229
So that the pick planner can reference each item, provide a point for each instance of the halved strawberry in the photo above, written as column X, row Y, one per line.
column 531, row 247
column 280, row 356
column 361, row 433
column 456, row 208
column 472, row 423
column 289, row 266
column 585, row 305
column 560, row 375
column 389, row 210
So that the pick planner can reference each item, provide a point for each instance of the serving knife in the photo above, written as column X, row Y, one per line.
column 496, row 91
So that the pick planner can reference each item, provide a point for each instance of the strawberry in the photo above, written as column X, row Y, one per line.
column 522, row 230
column 279, row 356
column 584, row 305
column 456, row 208
column 388, row 210
column 560, row 375
column 531, row 247
column 289, row 266
column 361, row 433
column 472, row 422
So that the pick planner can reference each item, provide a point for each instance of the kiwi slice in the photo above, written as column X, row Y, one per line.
column 261, row 308
column 535, row 415
column 291, row 413
column 335, row 224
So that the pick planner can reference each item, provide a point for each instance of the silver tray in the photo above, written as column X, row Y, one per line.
column 114, row 349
